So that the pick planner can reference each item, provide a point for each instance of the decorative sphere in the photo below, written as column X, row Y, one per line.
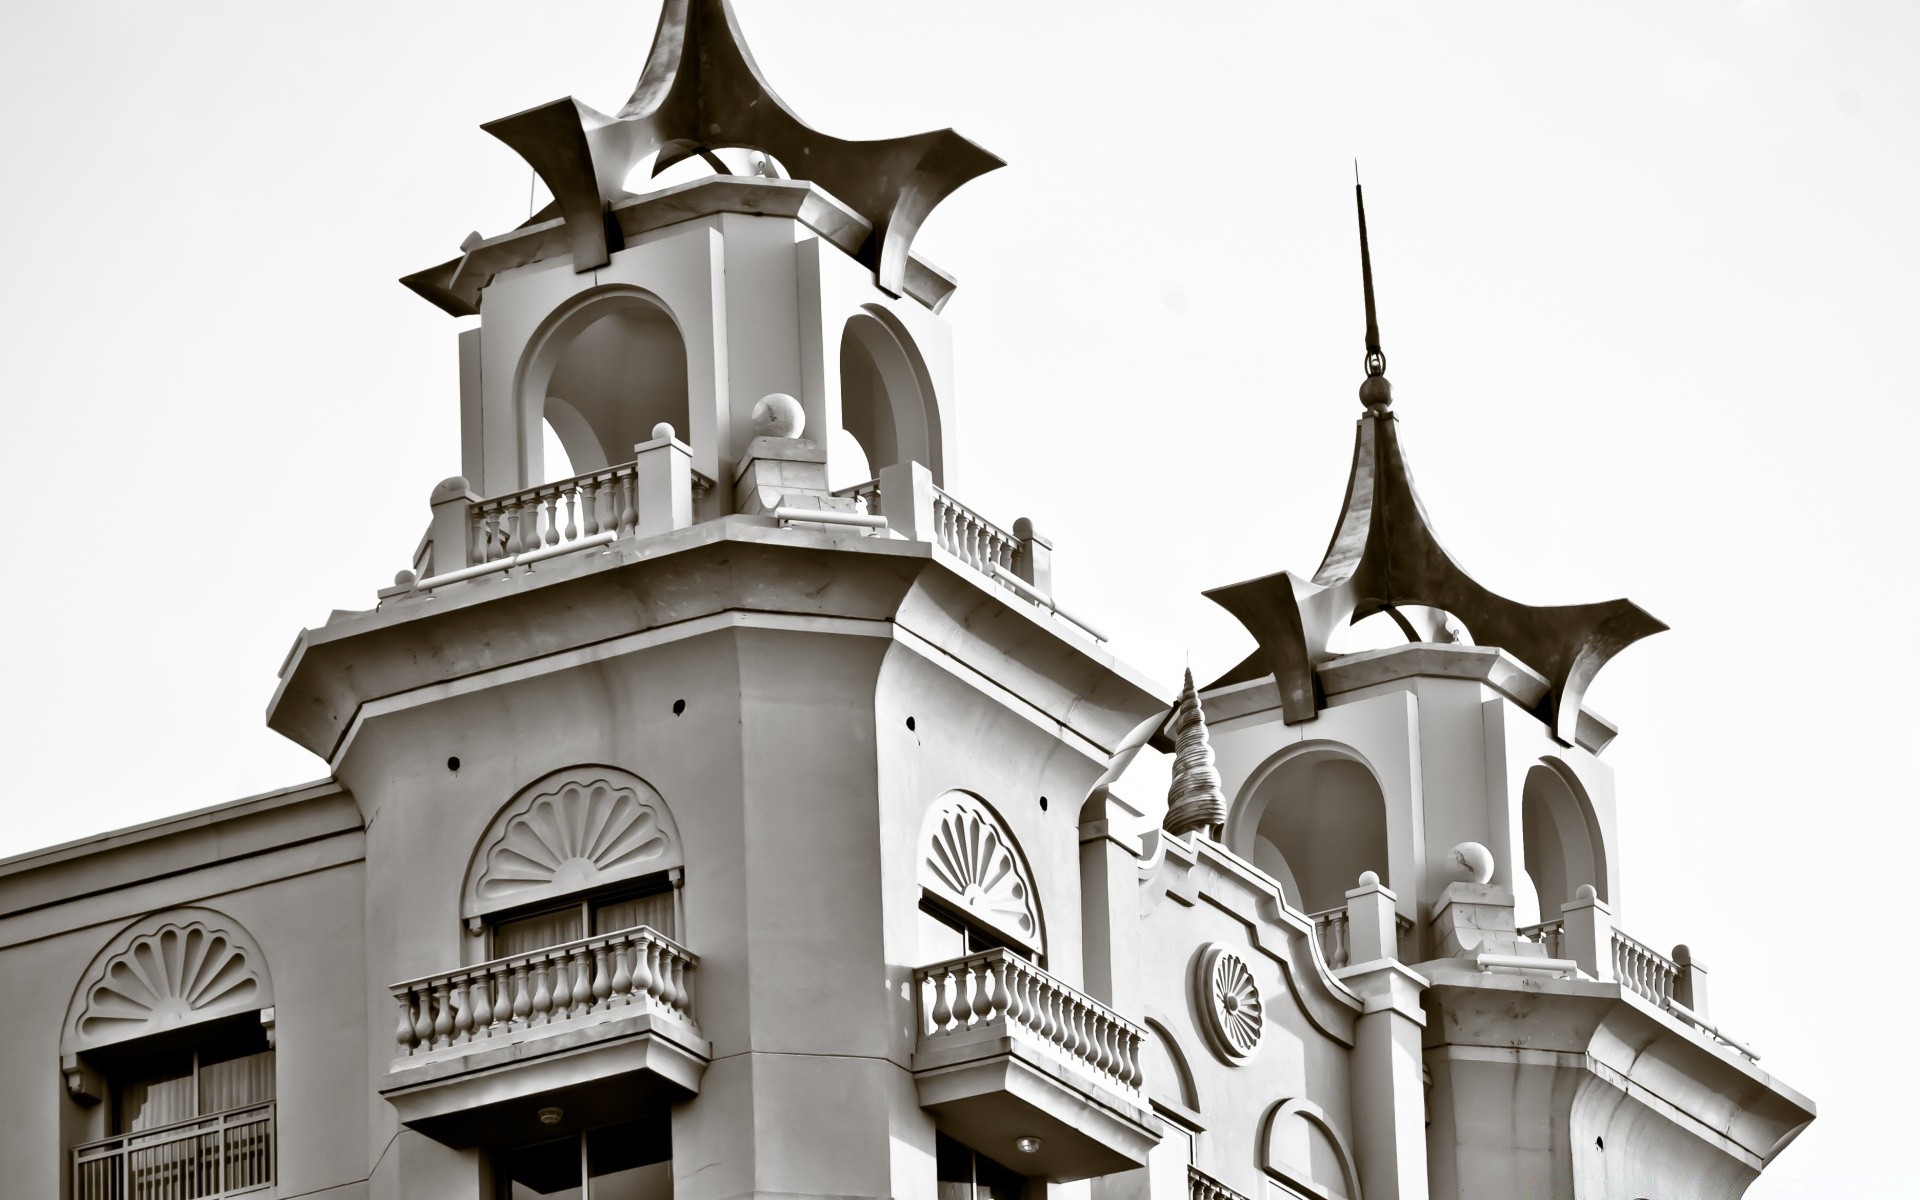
column 1586, row 893
column 1471, row 862
column 1376, row 392
column 779, row 415
column 1369, row 879
column 662, row 431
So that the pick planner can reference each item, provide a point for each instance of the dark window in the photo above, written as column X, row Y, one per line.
column 556, row 925
column 946, row 935
column 633, row 1161
column 966, row 1174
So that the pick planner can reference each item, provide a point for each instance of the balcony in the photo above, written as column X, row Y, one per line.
column 593, row 1026
column 1330, row 927
column 225, row 1154
column 1028, row 1071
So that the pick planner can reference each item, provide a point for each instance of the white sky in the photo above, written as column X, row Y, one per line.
column 1646, row 276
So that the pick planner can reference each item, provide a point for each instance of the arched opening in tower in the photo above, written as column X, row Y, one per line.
column 887, row 408
column 612, row 373
column 1322, row 821
column 1560, row 845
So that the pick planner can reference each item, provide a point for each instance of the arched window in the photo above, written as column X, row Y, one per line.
column 580, row 852
column 1314, row 822
column 976, row 891
column 171, row 1033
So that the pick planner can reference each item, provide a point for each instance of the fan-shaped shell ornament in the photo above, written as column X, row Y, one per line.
column 971, row 861
column 1227, row 1004
column 581, row 833
column 177, row 974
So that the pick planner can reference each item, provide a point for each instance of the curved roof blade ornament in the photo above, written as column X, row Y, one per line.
column 701, row 91
column 1384, row 554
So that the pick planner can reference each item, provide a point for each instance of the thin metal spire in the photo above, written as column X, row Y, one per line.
column 1376, row 396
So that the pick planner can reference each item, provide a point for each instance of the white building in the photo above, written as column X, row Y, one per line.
column 698, row 827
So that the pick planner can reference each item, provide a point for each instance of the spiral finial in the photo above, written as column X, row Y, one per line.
column 1194, row 800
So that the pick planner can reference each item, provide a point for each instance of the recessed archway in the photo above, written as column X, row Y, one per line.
column 887, row 403
column 1561, row 846
column 1314, row 820
column 601, row 372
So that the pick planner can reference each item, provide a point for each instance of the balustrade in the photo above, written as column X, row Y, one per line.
column 635, row 967
column 555, row 513
column 970, row 537
column 1331, row 928
column 223, row 1154
column 998, row 988
column 1549, row 935
column 1202, row 1186
column 1644, row 969
column 865, row 497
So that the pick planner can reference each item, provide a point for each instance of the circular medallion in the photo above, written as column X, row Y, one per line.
column 1227, row 1003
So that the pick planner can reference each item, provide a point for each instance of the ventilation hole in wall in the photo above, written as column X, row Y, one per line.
column 679, row 706
column 453, row 764
column 1043, row 804
column 909, row 722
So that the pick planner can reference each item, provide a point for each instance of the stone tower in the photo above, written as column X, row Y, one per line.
column 737, row 812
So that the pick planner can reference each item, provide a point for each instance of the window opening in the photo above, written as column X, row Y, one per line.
column 632, row 1161
column 966, row 1174
column 556, row 925
column 946, row 935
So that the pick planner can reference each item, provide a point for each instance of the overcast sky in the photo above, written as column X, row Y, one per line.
column 1646, row 278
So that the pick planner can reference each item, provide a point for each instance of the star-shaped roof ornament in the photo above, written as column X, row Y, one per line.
column 700, row 92
column 1384, row 556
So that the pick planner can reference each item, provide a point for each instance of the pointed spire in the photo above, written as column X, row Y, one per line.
column 1376, row 393
column 1194, row 799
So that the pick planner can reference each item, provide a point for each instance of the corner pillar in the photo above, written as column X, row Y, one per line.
column 1389, row 1083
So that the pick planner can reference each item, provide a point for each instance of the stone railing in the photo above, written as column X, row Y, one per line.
column 1336, row 946
column 970, row 537
column 554, row 514
column 223, row 1154
column 865, row 497
column 1548, row 935
column 635, row 968
column 998, row 993
column 1644, row 969
column 1202, row 1186
column 471, row 536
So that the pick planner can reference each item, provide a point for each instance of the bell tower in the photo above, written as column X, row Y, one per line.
column 691, row 778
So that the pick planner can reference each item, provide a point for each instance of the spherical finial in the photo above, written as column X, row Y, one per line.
column 1369, row 879
column 405, row 579
column 1472, row 863
column 663, row 431
column 1586, row 893
column 778, row 415
column 1376, row 393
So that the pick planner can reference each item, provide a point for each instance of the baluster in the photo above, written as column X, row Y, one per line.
column 602, row 985
column 642, row 972
column 942, row 1013
column 999, row 999
column 522, row 1008
column 553, row 526
column 422, row 1020
column 442, row 1016
column 943, row 524
column 481, row 551
column 622, row 977
column 405, row 1036
column 1015, row 1011
column 628, row 517
column 542, row 992
column 582, row 979
column 962, row 998
column 572, row 492
column 483, row 1003
column 462, row 1011
column 562, row 985
column 682, row 994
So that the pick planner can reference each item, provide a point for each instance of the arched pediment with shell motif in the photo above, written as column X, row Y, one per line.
column 570, row 832
column 970, row 860
column 182, row 967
